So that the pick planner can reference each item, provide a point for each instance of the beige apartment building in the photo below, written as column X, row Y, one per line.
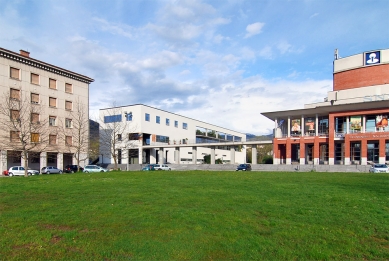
column 46, row 100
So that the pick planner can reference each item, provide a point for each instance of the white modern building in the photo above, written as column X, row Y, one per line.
column 41, row 99
column 139, row 134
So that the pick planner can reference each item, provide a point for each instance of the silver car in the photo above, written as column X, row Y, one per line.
column 94, row 168
column 19, row 171
column 379, row 168
column 51, row 170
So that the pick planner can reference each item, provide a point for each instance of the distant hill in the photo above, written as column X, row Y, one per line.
column 262, row 137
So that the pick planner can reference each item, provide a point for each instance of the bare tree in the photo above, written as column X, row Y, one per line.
column 76, row 131
column 115, row 133
column 23, row 130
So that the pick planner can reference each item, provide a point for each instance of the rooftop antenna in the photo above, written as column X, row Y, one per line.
column 336, row 54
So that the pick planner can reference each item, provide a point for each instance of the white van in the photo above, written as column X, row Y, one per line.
column 161, row 167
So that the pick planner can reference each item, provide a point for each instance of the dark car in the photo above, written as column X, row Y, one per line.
column 72, row 168
column 244, row 167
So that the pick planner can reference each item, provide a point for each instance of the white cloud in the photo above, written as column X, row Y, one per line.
column 253, row 29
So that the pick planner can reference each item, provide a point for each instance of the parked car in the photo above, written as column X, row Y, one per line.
column 72, row 168
column 244, row 167
column 19, row 171
column 161, row 167
column 51, row 170
column 379, row 168
column 94, row 168
column 149, row 167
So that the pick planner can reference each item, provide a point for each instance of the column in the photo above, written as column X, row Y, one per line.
column 288, row 126
column 302, row 151
column 347, row 148
column 212, row 155
column 140, row 155
column 3, row 161
column 288, row 152
column 382, row 155
column 347, row 124
column 317, row 125
column 254, row 154
column 232, row 155
column 60, row 160
column 363, row 152
column 161, row 156
column 331, row 145
column 363, row 124
column 43, row 159
column 302, row 127
column 194, row 155
column 177, row 154
column 316, row 150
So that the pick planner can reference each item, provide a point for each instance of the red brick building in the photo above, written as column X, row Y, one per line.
column 349, row 127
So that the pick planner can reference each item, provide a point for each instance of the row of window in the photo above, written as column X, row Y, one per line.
column 35, row 138
column 167, row 121
column 15, row 94
column 35, row 79
column 35, row 118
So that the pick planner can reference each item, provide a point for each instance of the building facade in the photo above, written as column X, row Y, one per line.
column 140, row 134
column 43, row 99
column 349, row 127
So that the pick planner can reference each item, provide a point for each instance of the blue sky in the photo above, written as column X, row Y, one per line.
column 222, row 62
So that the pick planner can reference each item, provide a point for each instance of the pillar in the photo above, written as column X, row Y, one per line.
column 254, row 154
column 316, row 150
column 363, row 152
column 194, row 155
column 177, row 154
column 161, row 157
column 382, row 152
column 302, row 151
column 331, row 143
column 60, row 160
column 288, row 126
column 212, row 155
column 232, row 155
column 347, row 149
column 43, row 159
column 3, row 161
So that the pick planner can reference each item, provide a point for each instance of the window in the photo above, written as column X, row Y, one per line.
column 34, row 137
column 68, row 88
column 128, row 116
column 15, row 114
column 158, row 119
column 119, row 137
column 35, row 118
column 15, row 94
column 15, row 136
column 68, row 140
column 15, row 73
column 133, row 136
column 167, row 122
column 34, row 98
column 119, row 156
column 68, row 105
column 147, row 117
column 34, row 78
column 52, row 139
column 185, row 126
column 176, row 124
column 160, row 138
column 113, row 118
column 68, row 123
column 52, row 121
column 52, row 84
column 52, row 102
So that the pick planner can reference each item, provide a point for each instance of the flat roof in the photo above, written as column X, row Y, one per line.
column 325, row 110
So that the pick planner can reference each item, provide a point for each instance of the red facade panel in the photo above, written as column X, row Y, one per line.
column 362, row 77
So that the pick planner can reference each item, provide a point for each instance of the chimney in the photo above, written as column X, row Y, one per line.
column 24, row 53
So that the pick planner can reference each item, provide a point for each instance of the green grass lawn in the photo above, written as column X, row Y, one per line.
column 195, row 215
